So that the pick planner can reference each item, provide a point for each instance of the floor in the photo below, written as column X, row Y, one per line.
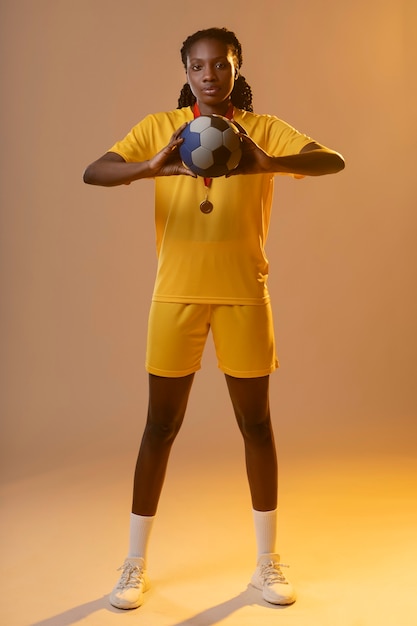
column 348, row 527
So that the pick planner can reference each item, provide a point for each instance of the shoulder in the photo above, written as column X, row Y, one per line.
column 165, row 119
column 263, row 120
column 155, row 129
column 151, row 134
column 271, row 132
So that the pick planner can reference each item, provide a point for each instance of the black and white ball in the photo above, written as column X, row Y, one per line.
column 211, row 146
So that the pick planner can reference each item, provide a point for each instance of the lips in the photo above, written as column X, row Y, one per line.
column 211, row 91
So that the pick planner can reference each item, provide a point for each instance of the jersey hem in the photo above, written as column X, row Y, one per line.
column 250, row 373
column 207, row 300
column 171, row 373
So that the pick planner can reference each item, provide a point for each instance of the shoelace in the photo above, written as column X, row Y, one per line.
column 131, row 576
column 271, row 573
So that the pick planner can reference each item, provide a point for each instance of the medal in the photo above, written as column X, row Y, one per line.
column 206, row 206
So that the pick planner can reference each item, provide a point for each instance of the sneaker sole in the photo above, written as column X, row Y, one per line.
column 281, row 600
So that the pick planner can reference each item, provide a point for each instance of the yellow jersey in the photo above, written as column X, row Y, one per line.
column 216, row 257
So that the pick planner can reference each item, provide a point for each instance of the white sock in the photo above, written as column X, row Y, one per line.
column 140, row 530
column 265, row 530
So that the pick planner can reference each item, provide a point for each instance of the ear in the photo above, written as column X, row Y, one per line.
column 236, row 73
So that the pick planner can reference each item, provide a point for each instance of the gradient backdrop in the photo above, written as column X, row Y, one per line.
column 78, row 262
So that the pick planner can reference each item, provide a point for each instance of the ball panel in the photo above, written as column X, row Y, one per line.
column 231, row 139
column 221, row 155
column 234, row 160
column 200, row 123
column 186, row 156
column 202, row 158
column 211, row 138
column 219, row 122
column 191, row 139
column 216, row 171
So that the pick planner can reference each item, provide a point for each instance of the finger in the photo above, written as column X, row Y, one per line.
column 188, row 172
column 239, row 127
column 179, row 130
column 234, row 172
column 246, row 139
column 173, row 146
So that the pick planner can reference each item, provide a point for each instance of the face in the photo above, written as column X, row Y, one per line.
column 211, row 70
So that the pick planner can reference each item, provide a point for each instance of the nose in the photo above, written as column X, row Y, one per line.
column 209, row 73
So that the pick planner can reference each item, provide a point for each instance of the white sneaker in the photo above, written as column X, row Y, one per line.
column 133, row 582
column 268, row 577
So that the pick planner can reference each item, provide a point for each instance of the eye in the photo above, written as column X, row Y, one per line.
column 196, row 67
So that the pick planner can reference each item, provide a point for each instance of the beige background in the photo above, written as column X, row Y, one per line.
column 77, row 263
column 77, row 266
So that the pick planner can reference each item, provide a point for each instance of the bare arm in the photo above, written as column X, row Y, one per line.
column 312, row 160
column 111, row 169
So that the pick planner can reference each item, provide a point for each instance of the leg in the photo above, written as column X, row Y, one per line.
column 168, row 399
column 250, row 399
column 173, row 354
column 167, row 403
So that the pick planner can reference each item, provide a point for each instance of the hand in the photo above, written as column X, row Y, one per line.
column 254, row 160
column 168, row 162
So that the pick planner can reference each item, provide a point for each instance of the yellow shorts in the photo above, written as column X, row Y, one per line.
column 243, row 337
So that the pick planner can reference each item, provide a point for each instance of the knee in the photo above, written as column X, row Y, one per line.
column 257, row 431
column 161, row 432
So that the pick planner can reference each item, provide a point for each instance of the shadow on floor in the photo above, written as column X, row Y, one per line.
column 208, row 617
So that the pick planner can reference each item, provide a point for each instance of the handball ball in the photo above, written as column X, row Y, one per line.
column 211, row 146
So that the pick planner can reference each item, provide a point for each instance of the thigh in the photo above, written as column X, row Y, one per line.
column 168, row 398
column 244, row 339
column 177, row 334
column 250, row 398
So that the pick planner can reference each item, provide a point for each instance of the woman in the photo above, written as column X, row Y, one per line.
column 212, row 275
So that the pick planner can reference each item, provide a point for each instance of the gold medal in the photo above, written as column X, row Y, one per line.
column 206, row 206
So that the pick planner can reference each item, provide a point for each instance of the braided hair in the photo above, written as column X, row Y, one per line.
column 241, row 95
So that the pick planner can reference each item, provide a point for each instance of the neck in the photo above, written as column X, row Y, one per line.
column 225, row 112
column 220, row 109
